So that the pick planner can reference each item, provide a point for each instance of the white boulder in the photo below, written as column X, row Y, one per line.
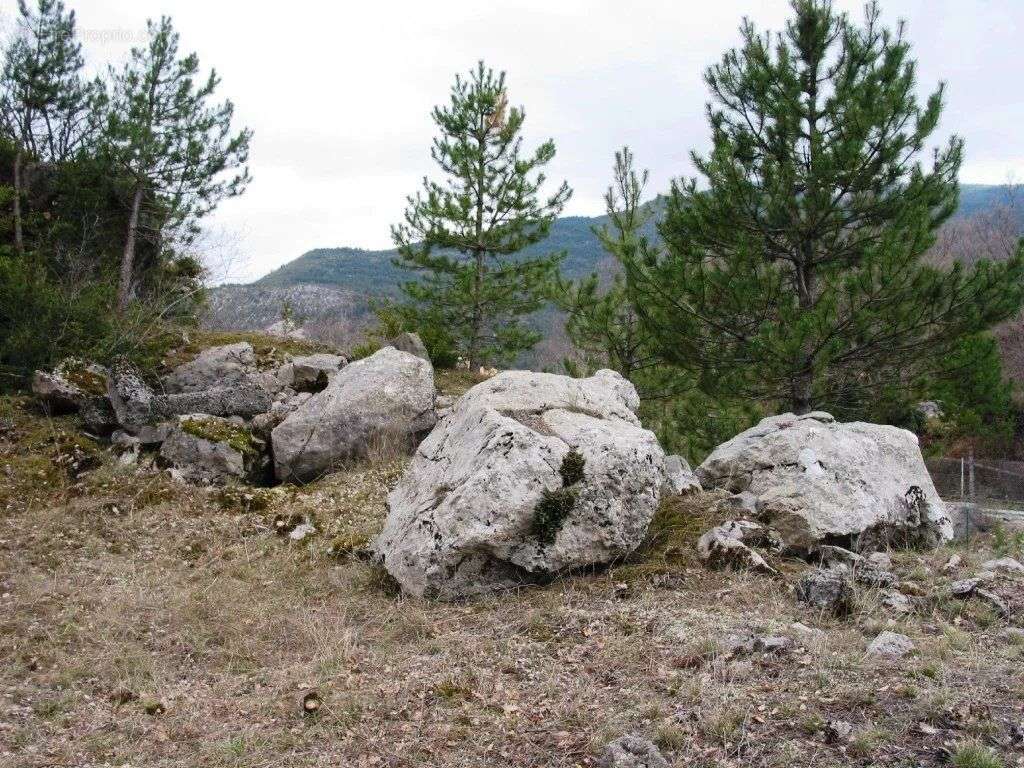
column 228, row 365
column 817, row 480
column 529, row 476
column 387, row 396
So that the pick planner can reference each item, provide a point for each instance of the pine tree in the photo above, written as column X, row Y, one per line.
column 462, row 235
column 600, row 320
column 47, row 109
column 795, row 271
column 176, row 148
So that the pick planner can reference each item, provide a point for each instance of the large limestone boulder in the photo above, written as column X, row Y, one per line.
column 206, row 449
column 530, row 475
column 228, row 365
column 816, row 480
column 388, row 396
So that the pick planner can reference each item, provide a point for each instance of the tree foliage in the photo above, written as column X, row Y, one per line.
column 795, row 271
column 462, row 234
column 173, row 145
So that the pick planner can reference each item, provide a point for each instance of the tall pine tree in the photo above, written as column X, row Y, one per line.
column 462, row 235
column 176, row 148
column 600, row 321
column 47, row 108
column 795, row 271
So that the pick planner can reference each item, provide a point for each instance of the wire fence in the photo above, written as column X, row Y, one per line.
column 979, row 492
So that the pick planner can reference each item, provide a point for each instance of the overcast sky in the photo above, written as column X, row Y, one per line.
column 339, row 94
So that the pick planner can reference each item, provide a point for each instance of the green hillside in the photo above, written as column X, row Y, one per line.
column 372, row 272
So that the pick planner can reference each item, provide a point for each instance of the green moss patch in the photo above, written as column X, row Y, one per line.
column 221, row 431
column 555, row 506
column 78, row 373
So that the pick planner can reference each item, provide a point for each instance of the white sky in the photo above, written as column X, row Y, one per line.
column 339, row 93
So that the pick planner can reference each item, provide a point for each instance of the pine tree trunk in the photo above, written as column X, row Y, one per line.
column 128, row 258
column 19, row 240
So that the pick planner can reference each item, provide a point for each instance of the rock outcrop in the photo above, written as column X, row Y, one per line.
column 210, row 450
column 530, row 475
column 230, row 365
column 386, row 396
column 816, row 480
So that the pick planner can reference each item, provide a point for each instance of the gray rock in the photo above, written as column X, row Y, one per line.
column 964, row 588
column 891, row 645
column 411, row 343
column 994, row 600
column 817, row 480
column 679, row 478
column 631, row 752
column 953, row 563
column 724, row 546
column 98, row 415
column 229, row 365
column 773, row 644
column 246, row 400
column 895, row 601
column 386, row 396
column 485, row 505
column 313, row 372
column 130, row 397
column 827, row 590
column 206, row 449
column 70, row 385
column 831, row 555
column 880, row 560
column 1005, row 564
column 743, row 503
column 805, row 633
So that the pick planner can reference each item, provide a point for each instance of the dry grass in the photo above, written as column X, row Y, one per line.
column 145, row 623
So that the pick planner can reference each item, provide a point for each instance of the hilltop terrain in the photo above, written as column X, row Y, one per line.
column 346, row 278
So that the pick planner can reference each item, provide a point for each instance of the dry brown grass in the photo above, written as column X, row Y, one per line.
column 146, row 623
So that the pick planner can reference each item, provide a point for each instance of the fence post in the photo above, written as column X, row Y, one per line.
column 970, row 492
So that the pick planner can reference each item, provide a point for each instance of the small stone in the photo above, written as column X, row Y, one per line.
column 896, row 601
column 880, row 560
column 1013, row 635
column 806, row 633
column 890, row 645
column 301, row 531
column 631, row 752
column 827, row 590
column 964, row 587
column 838, row 731
column 1005, row 564
column 952, row 564
column 773, row 644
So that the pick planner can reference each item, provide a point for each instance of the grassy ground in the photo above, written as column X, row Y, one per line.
column 143, row 623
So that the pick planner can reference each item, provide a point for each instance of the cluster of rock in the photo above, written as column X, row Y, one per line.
column 525, row 477
column 224, row 417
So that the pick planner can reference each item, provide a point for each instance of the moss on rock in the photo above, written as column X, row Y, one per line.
column 221, row 431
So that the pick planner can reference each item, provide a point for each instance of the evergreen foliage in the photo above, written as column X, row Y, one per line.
column 796, row 275
column 462, row 235
column 173, row 145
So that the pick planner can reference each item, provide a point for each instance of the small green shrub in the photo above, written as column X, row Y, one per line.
column 974, row 755
column 572, row 468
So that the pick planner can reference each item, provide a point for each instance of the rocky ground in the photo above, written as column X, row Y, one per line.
column 145, row 622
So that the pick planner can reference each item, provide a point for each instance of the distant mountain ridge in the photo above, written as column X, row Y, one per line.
column 339, row 282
